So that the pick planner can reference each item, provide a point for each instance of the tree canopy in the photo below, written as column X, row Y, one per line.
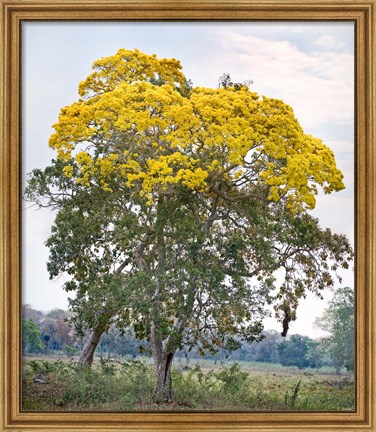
column 177, row 204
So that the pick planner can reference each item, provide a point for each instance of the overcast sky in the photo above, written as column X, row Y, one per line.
column 308, row 65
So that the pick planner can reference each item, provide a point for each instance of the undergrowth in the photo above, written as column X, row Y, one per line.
column 128, row 386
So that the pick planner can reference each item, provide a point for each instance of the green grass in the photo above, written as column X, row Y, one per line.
column 128, row 386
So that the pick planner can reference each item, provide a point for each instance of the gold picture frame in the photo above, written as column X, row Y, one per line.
column 13, row 12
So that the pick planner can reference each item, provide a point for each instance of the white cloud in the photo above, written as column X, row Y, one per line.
column 318, row 86
column 342, row 147
column 329, row 43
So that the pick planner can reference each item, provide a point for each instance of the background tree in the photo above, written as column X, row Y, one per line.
column 267, row 349
column 186, row 201
column 31, row 338
column 64, row 333
column 264, row 350
column 126, row 343
column 315, row 354
column 293, row 352
column 56, row 331
column 338, row 320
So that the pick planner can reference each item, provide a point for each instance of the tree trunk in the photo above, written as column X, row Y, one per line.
column 163, row 362
column 163, row 386
column 87, row 355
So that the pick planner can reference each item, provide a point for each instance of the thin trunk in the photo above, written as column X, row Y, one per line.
column 87, row 354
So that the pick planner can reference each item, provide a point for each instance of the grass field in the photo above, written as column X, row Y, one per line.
column 124, row 385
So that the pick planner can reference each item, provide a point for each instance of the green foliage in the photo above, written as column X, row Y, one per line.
column 48, row 367
column 140, row 380
column 31, row 338
column 233, row 379
column 35, row 366
column 293, row 352
column 89, row 387
column 339, row 321
column 228, row 387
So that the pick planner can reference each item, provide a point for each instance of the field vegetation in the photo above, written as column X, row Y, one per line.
column 127, row 385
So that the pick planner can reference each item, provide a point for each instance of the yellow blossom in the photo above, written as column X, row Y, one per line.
column 153, row 138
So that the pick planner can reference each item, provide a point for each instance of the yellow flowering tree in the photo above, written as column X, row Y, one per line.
column 177, row 205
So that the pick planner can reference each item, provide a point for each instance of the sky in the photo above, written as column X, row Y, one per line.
column 310, row 65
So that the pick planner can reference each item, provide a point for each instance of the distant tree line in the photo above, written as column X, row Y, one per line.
column 295, row 350
column 52, row 333
column 49, row 333
column 46, row 332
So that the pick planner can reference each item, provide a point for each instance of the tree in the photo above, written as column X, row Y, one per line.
column 31, row 338
column 315, row 354
column 48, row 329
column 57, row 331
column 64, row 333
column 267, row 349
column 293, row 352
column 176, row 206
column 338, row 320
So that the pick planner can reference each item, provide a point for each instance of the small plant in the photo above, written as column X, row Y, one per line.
column 290, row 400
column 233, row 379
column 48, row 367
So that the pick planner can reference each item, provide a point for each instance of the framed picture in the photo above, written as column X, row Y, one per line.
column 187, row 205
